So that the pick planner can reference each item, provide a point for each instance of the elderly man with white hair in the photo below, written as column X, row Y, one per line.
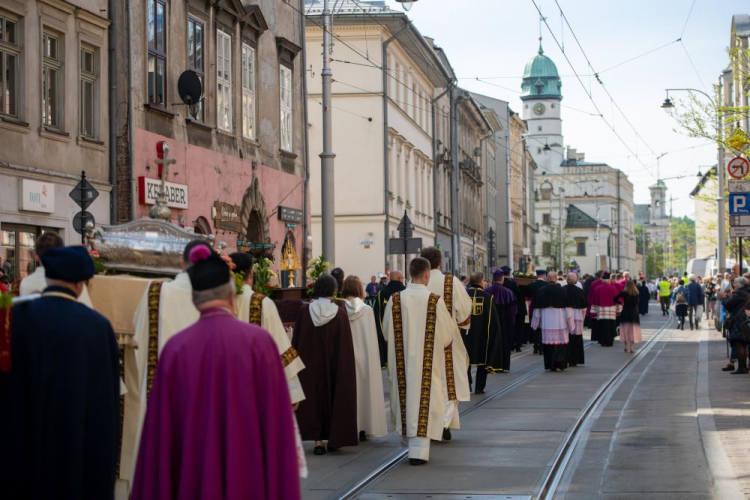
column 553, row 313
column 695, row 299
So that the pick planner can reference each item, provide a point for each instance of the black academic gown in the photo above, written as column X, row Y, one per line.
column 643, row 297
column 60, row 404
column 520, row 329
column 378, row 308
column 484, row 338
column 575, row 348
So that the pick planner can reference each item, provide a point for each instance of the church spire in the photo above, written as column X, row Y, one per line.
column 541, row 51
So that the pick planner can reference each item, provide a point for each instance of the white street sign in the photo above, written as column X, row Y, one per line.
column 739, row 220
column 739, row 186
column 739, row 232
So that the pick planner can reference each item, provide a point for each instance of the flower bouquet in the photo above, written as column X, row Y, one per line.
column 264, row 277
column 317, row 268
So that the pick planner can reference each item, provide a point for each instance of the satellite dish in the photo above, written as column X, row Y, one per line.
column 189, row 87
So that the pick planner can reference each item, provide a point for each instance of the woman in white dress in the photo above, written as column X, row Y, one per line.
column 370, row 396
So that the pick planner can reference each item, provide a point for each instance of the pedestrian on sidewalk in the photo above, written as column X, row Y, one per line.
column 372, row 290
column 630, row 323
column 709, row 291
column 695, row 298
column 735, row 306
column 643, row 298
column 680, row 310
column 665, row 292
column 419, row 330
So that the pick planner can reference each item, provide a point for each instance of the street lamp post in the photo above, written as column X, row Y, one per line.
column 721, row 265
column 328, row 206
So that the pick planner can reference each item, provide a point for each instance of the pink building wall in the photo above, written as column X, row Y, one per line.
column 212, row 176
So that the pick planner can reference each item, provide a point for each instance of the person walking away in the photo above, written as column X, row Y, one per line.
column 457, row 300
column 484, row 340
column 605, row 308
column 520, row 330
column 578, row 303
column 219, row 422
column 695, row 299
column 36, row 282
column 643, row 298
column 372, row 290
column 590, row 317
column 553, row 314
column 679, row 289
column 395, row 285
column 665, row 294
column 419, row 330
column 630, row 323
column 370, row 402
column 261, row 311
column 323, row 339
column 338, row 275
column 506, row 306
column 680, row 310
column 736, row 305
column 60, row 399
column 709, row 290
column 532, row 290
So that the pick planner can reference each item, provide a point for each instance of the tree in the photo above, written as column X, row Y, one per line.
column 655, row 260
column 682, row 243
column 551, row 247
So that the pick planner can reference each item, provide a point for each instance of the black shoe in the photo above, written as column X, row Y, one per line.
column 331, row 448
column 479, row 392
column 362, row 436
column 319, row 450
column 447, row 435
column 518, row 349
column 728, row 368
column 739, row 372
column 417, row 461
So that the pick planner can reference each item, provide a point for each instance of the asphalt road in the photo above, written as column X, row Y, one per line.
column 622, row 426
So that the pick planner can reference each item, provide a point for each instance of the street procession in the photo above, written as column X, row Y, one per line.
column 338, row 249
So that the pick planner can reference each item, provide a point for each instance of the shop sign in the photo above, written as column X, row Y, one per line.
column 227, row 217
column 36, row 196
column 148, row 190
column 290, row 214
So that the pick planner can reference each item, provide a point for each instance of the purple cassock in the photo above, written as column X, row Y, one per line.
column 503, row 296
column 219, row 420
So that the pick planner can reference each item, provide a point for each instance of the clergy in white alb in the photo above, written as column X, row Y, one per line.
column 36, row 282
column 260, row 310
column 166, row 308
column 458, row 304
column 370, row 400
column 554, row 314
column 418, row 329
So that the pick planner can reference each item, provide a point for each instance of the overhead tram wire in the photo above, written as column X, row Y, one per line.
column 586, row 91
column 684, row 27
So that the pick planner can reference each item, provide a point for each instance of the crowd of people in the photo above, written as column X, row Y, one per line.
column 222, row 396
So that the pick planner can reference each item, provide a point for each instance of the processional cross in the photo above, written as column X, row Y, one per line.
column 160, row 210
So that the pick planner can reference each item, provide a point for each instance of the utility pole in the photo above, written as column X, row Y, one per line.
column 721, row 266
column 508, row 192
column 561, row 262
column 328, row 206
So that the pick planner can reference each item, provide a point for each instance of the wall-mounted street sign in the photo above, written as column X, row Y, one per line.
column 739, row 232
column 739, row 220
column 736, row 186
column 290, row 214
column 227, row 216
column 738, row 167
column 739, row 203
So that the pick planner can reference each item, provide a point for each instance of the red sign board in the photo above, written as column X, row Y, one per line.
column 738, row 167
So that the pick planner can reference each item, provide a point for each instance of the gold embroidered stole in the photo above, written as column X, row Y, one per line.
column 449, row 375
column 256, row 308
column 154, row 300
column 428, row 355
column 288, row 356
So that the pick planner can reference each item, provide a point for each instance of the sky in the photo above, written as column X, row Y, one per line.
column 492, row 40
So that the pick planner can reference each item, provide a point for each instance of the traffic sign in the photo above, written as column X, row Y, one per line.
column 736, row 186
column 405, row 227
column 81, row 219
column 405, row 246
column 739, row 232
column 739, row 204
column 739, row 220
column 84, row 193
column 738, row 167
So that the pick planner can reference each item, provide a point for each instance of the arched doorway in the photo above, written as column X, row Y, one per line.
column 254, row 219
column 201, row 226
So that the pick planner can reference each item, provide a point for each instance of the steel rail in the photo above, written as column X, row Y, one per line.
column 555, row 475
column 392, row 462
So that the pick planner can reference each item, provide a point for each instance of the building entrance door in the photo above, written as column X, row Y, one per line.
column 17, row 250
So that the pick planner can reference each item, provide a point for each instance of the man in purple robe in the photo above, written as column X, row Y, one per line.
column 507, row 308
column 219, row 419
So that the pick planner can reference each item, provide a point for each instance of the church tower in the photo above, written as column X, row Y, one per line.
column 658, row 202
column 541, row 109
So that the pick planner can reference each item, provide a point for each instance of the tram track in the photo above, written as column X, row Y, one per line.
column 395, row 460
column 562, row 458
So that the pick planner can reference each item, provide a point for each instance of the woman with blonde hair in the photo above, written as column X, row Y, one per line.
column 370, row 400
column 630, row 323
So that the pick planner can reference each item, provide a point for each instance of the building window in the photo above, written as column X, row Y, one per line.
column 88, row 92
column 51, row 71
column 539, row 151
column 546, row 219
column 248, row 91
column 546, row 249
column 540, row 129
column 581, row 248
column 10, row 55
column 224, row 80
column 157, row 52
column 195, row 62
column 285, row 91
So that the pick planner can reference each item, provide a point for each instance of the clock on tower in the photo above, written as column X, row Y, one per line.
column 539, row 108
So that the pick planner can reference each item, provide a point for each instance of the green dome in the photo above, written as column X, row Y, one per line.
column 540, row 78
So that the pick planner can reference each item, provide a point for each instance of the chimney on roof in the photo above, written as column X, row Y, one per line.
column 571, row 156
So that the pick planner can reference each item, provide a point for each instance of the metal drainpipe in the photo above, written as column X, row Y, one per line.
column 112, row 113
column 386, row 162
column 451, row 84
column 306, row 153
column 508, row 193
column 130, row 113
